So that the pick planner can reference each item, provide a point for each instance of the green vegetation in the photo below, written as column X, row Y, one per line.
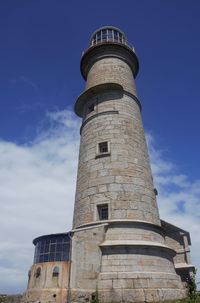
column 192, row 290
column 95, row 297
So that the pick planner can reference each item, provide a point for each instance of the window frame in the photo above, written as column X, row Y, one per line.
column 55, row 272
column 38, row 272
column 100, row 153
column 100, row 207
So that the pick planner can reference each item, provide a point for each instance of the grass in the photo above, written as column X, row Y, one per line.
column 187, row 300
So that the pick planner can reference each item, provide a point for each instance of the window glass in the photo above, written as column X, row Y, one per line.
column 52, row 257
column 103, row 147
column 40, row 258
column 65, row 255
column 52, row 247
column 104, row 35
column 55, row 249
column 46, row 257
column 110, row 36
column 120, row 37
column 103, row 211
column 65, row 246
column 46, row 248
column 55, row 271
column 98, row 36
column 38, row 272
column 59, row 247
column 90, row 108
column 58, row 257
column 42, row 246
column 116, row 36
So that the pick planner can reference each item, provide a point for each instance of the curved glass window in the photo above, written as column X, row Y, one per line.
column 52, row 248
column 108, row 35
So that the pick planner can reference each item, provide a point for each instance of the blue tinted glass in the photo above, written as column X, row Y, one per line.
column 58, row 257
column 55, row 248
column 42, row 246
column 53, row 239
column 116, row 35
column 65, row 247
column 41, row 259
column 52, row 257
column 52, row 247
column 110, row 34
column 46, row 248
column 46, row 257
column 65, row 255
column 59, row 247
column 98, row 36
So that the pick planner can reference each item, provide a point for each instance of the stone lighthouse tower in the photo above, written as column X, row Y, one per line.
column 119, row 246
column 119, row 249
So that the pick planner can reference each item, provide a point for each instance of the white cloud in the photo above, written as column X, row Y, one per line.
column 178, row 198
column 37, row 188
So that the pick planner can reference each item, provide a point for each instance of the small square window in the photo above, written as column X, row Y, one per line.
column 90, row 108
column 103, row 147
column 103, row 211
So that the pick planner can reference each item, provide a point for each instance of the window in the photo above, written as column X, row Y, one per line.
column 90, row 108
column 98, row 36
column 52, row 248
column 103, row 147
column 116, row 35
column 155, row 191
column 107, row 35
column 103, row 211
column 104, row 35
column 110, row 34
column 38, row 272
column 55, row 271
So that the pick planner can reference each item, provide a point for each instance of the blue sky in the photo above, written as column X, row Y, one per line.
column 41, row 46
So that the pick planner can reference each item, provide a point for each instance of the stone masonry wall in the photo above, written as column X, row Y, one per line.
column 123, row 179
column 47, row 288
column 111, row 70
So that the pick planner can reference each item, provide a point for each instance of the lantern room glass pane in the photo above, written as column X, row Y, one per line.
column 104, row 35
column 108, row 35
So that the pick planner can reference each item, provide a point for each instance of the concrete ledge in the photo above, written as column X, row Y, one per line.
column 79, row 105
column 138, row 275
column 183, row 265
column 109, row 50
column 100, row 88
column 135, row 243
column 121, row 221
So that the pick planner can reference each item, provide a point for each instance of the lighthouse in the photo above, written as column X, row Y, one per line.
column 119, row 250
column 119, row 245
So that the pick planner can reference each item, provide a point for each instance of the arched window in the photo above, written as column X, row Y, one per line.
column 38, row 272
column 55, row 271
